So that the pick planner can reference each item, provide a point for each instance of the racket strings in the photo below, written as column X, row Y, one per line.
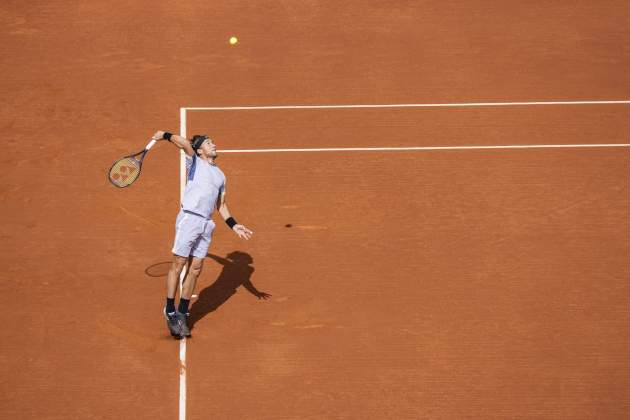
column 124, row 172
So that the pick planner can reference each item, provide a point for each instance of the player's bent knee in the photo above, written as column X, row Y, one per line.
column 196, row 269
column 178, row 263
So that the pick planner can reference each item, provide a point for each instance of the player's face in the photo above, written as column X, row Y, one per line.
column 209, row 148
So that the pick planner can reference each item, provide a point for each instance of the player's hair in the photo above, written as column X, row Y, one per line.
column 197, row 141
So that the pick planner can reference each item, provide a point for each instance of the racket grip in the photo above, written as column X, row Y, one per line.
column 150, row 145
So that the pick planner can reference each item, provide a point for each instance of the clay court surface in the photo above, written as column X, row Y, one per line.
column 440, row 284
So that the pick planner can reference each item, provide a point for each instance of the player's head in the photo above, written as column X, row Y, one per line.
column 203, row 146
column 240, row 257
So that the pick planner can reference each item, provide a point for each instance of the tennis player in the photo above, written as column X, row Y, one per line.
column 204, row 193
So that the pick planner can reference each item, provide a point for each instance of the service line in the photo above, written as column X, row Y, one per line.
column 425, row 148
column 419, row 105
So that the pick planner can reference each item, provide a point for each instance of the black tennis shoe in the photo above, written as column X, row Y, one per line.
column 173, row 323
column 183, row 324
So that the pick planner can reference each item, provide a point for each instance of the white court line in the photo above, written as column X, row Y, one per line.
column 183, row 123
column 420, row 148
column 182, row 379
column 434, row 105
column 182, row 342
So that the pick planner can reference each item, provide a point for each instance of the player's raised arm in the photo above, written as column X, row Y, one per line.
column 179, row 141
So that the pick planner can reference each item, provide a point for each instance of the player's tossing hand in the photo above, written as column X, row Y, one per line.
column 242, row 231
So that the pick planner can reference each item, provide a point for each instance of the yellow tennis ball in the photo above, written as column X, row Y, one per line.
column 233, row 40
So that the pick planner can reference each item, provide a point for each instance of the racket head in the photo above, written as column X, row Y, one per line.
column 125, row 171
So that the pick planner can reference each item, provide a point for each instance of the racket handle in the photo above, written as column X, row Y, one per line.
column 150, row 145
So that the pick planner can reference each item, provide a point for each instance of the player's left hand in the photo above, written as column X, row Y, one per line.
column 242, row 231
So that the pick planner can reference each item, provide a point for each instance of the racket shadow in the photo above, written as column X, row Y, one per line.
column 237, row 271
column 158, row 269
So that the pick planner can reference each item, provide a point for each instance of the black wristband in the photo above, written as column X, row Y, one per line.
column 230, row 222
column 167, row 136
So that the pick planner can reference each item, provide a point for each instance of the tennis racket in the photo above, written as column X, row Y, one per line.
column 126, row 170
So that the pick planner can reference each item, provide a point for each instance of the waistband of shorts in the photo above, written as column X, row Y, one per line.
column 196, row 214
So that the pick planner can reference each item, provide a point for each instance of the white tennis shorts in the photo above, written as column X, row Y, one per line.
column 193, row 234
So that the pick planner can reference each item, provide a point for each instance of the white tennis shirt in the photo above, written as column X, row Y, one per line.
column 205, row 183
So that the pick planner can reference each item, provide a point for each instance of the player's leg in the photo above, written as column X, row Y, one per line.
column 198, row 253
column 187, row 230
column 172, row 280
column 188, row 287
column 194, row 270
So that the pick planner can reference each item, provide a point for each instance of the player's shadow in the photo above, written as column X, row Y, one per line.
column 237, row 271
